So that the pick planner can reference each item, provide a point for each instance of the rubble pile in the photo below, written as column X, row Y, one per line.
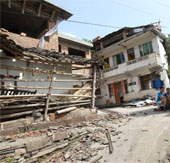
column 78, row 142
column 145, row 101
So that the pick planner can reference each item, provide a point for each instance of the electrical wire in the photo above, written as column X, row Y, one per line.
column 73, row 21
column 101, row 25
column 162, row 4
column 142, row 11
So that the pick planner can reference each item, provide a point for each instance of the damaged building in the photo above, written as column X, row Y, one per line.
column 76, row 47
column 135, row 64
column 36, row 76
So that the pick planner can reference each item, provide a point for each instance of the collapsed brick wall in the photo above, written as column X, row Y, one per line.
column 29, row 42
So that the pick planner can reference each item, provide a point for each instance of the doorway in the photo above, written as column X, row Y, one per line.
column 117, row 87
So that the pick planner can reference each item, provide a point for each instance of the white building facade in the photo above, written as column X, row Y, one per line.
column 135, row 64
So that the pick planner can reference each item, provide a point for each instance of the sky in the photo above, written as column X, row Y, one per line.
column 118, row 13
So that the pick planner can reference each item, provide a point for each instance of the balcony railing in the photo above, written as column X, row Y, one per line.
column 151, row 59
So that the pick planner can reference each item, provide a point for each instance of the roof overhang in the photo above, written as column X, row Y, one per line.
column 30, row 16
column 74, row 40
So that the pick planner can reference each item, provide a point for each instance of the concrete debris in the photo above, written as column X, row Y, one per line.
column 140, row 103
column 76, row 142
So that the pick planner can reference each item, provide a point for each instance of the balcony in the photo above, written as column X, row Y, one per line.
column 148, row 62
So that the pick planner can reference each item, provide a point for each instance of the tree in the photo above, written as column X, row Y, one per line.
column 89, row 41
column 168, row 52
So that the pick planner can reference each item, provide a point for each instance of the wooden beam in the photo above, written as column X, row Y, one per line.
column 71, row 105
column 31, row 69
column 55, row 88
column 45, row 80
column 9, row 3
column 43, row 104
column 23, row 7
column 42, row 95
column 48, row 98
column 94, row 87
column 7, row 116
column 52, row 15
column 109, row 141
column 65, row 110
column 39, row 9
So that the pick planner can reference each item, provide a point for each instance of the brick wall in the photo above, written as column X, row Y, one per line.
column 64, row 49
column 29, row 42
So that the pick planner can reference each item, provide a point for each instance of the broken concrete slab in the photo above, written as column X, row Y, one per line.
column 50, row 149
column 60, row 136
column 20, row 151
column 38, row 143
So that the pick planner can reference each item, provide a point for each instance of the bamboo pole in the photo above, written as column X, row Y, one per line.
column 48, row 98
column 94, row 87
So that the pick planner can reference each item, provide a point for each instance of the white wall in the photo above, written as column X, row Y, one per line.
column 41, row 75
column 105, row 96
column 137, row 52
column 133, row 88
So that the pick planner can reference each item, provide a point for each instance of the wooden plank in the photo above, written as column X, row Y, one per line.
column 39, row 9
column 41, row 95
column 48, row 98
column 23, row 7
column 31, row 69
column 44, row 80
column 7, row 116
column 43, row 104
column 72, row 105
column 65, row 110
column 94, row 87
column 109, row 141
column 52, row 15
column 9, row 3
column 55, row 88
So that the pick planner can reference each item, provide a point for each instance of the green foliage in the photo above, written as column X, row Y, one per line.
column 9, row 160
column 168, row 70
column 89, row 41
column 168, row 49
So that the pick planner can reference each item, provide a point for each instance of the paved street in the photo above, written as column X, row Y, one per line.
column 145, row 138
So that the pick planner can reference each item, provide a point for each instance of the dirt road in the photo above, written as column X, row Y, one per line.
column 144, row 139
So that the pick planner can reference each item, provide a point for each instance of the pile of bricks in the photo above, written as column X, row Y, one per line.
column 73, row 142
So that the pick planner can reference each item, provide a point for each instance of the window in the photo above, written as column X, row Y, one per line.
column 118, row 59
column 76, row 52
column 146, row 82
column 106, row 63
column 146, row 48
column 131, row 54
